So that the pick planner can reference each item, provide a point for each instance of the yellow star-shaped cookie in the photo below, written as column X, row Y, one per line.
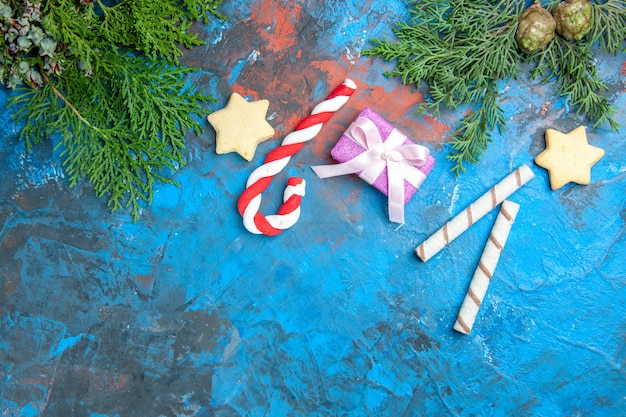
column 568, row 157
column 241, row 126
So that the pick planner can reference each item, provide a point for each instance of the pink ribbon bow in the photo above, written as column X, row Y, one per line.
column 400, row 160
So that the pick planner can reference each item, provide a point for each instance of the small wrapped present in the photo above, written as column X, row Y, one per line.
column 384, row 157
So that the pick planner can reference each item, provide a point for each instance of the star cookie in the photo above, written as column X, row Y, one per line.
column 241, row 126
column 568, row 157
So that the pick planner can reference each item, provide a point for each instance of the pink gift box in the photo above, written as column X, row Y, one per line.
column 346, row 149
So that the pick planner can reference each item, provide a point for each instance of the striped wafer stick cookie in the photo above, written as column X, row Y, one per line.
column 486, row 267
column 462, row 221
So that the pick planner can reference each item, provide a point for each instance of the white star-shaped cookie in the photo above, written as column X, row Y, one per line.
column 241, row 126
column 568, row 157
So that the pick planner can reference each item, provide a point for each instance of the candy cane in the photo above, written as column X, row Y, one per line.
column 289, row 212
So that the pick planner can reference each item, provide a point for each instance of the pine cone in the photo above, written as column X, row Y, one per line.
column 573, row 18
column 535, row 28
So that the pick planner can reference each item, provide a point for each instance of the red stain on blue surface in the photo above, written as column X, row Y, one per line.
column 185, row 313
column 294, row 70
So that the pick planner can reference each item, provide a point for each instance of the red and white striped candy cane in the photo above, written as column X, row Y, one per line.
column 289, row 212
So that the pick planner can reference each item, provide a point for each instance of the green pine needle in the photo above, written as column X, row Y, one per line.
column 112, row 89
column 473, row 134
column 461, row 49
column 122, row 129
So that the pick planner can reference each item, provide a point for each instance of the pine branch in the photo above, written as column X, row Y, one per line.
column 572, row 65
column 608, row 31
column 154, row 32
column 122, row 129
column 104, row 77
column 473, row 134
column 153, row 28
column 461, row 49
column 73, row 27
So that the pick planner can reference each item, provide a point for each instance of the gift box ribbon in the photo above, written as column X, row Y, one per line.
column 400, row 159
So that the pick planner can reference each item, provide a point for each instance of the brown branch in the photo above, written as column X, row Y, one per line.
column 67, row 102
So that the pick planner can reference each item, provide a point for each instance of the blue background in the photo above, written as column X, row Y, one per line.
column 184, row 313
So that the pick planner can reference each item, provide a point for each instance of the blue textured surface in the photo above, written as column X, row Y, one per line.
column 185, row 313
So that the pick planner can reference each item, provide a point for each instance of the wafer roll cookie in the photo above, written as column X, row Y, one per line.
column 483, row 205
column 486, row 267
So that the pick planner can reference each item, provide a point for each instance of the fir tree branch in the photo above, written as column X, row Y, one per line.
column 66, row 23
column 461, row 49
column 155, row 31
column 104, row 79
column 67, row 103
column 122, row 129
column 608, row 31
column 473, row 133
column 571, row 65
